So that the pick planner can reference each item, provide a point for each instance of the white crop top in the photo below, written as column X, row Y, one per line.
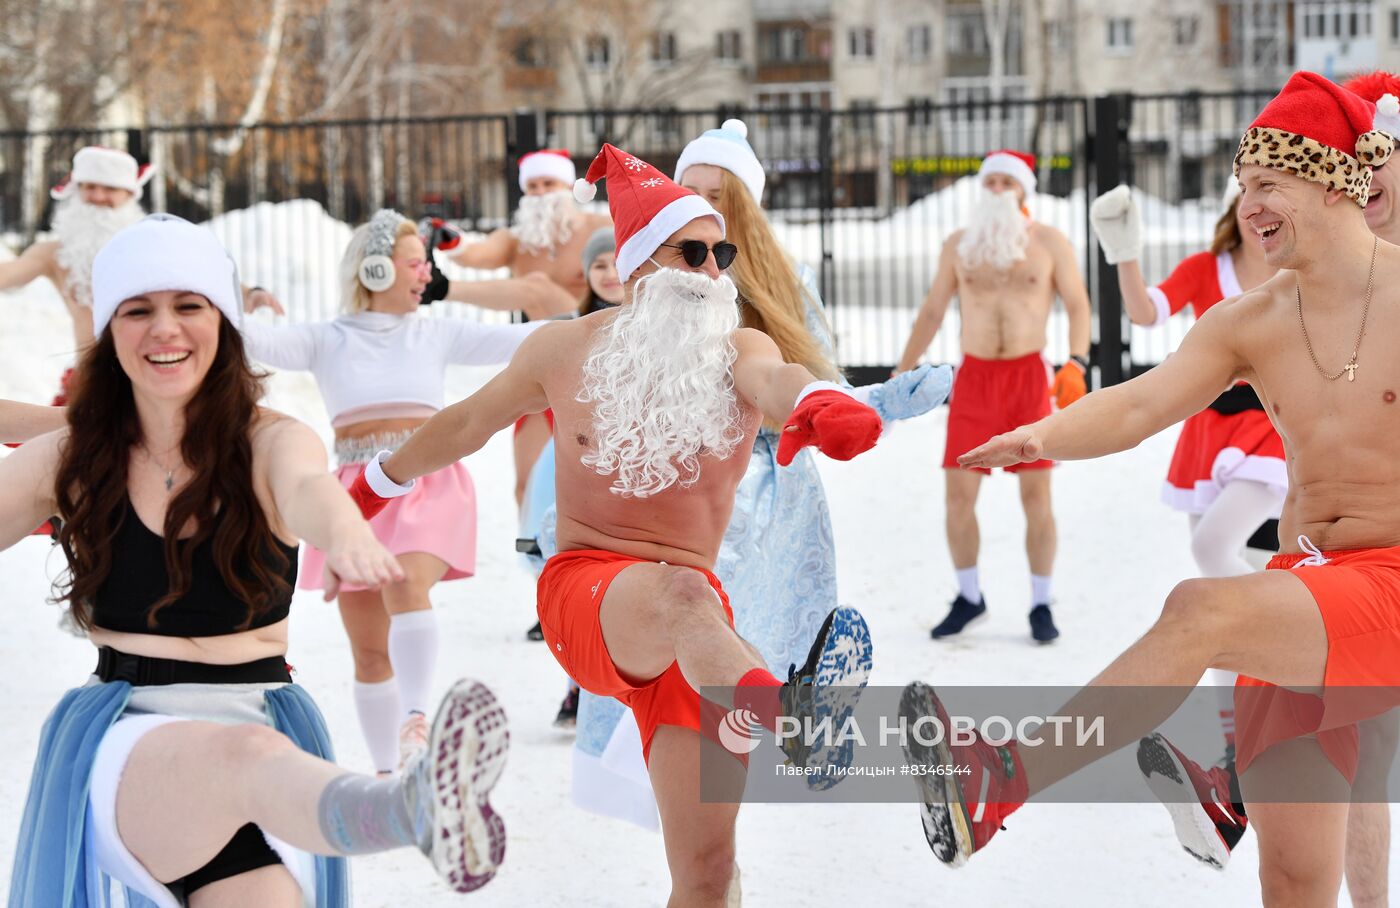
column 376, row 358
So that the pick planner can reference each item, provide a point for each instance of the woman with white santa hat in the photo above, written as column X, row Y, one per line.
column 190, row 762
column 380, row 368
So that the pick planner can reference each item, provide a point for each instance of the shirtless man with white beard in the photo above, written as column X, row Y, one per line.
column 545, row 247
column 99, row 198
column 657, row 403
column 1006, row 270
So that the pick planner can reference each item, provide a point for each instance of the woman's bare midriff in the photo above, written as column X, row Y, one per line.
column 372, row 427
column 226, row 649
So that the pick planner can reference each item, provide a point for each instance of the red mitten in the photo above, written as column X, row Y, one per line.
column 839, row 425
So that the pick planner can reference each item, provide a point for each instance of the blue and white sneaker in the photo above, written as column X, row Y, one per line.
column 827, row 687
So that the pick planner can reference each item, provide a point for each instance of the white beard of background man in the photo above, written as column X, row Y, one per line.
column 659, row 378
column 545, row 222
column 997, row 234
column 82, row 229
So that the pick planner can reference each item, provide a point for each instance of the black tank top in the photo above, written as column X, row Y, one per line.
column 138, row 580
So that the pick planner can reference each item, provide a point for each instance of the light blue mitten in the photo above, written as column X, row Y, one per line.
column 911, row 393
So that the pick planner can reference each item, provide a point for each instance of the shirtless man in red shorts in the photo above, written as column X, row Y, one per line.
column 1317, row 343
column 1006, row 270
column 656, row 406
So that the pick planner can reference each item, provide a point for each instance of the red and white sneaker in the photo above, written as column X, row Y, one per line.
column 964, row 805
column 1205, row 804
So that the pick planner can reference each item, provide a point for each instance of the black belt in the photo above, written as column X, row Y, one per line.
column 148, row 671
column 1238, row 399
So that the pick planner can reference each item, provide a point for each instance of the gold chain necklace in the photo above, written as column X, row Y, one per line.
column 1349, row 370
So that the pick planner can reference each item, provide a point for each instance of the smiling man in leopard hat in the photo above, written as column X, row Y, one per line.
column 1316, row 342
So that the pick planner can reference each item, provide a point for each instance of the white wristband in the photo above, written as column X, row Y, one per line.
column 816, row 386
column 381, row 484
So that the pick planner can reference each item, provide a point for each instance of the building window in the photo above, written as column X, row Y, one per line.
column 918, row 41
column 1120, row 35
column 1190, row 111
column 1192, row 179
column 1057, row 35
column 597, row 51
column 663, row 48
column 1184, row 30
column 786, row 44
column 920, row 113
column 860, row 43
column 966, row 36
column 730, row 46
column 529, row 52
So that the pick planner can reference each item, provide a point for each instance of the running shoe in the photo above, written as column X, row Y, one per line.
column 963, row 613
column 1043, row 628
column 1205, row 804
column 567, row 716
column 826, row 688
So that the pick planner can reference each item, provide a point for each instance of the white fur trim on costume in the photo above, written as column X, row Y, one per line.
column 1225, row 276
column 104, row 167
column 1163, row 305
column 1388, row 116
column 1013, row 167
column 816, row 386
column 1230, row 464
column 380, row 482
column 546, row 164
column 163, row 252
column 668, row 220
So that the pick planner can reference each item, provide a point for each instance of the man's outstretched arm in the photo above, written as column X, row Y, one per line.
column 21, row 422
column 35, row 262
column 1117, row 418
column 496, row 251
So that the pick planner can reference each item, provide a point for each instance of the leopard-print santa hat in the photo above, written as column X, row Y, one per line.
column 1317, row 130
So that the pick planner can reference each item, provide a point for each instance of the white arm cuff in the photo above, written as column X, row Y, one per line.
column 1164, row 309
column 816, row 386
column 382, row 485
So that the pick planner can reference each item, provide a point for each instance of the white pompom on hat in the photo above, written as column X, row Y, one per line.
column 163, row 252
column 104, row 167
column 727, row 147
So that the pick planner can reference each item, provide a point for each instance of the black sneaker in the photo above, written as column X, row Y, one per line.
column 1043, row 628
column 960, row 616
column 568, row 710
column 535, row 633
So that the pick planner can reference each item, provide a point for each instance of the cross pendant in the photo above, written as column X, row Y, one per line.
column 170, row 479
column 1350, row 370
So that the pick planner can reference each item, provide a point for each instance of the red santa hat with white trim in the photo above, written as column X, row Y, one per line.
column 105, row 167
column 1317, row 130
column 547, row 162
column 1015, row 164
column 646, row 205
column 1383, row 90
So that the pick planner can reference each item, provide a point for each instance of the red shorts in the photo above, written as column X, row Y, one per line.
column 548, row 418
column 992, row 396
column 1358, row 594
column 570, row 591
column 1217, row 448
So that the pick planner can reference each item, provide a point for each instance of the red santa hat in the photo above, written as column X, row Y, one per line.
column 1383, row 90
column 105, row 167
column 1016, row 164
column 647, row 207
column 1317, row 130
column 548, row 162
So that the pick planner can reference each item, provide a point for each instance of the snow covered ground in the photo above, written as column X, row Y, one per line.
column 1120, row 553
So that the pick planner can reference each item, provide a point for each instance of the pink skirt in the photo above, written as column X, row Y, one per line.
column 438, row 517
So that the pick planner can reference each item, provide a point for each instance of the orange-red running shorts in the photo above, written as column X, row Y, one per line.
column 570, row 591
column 992, row 396
column 1358, row 594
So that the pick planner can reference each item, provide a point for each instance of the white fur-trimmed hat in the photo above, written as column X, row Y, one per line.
column 1016, row 164
column 726, row 147
column 163, row 252
column 105, row 167
column 548, row 162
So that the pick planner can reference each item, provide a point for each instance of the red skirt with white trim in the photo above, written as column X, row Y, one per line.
column 1217, row 448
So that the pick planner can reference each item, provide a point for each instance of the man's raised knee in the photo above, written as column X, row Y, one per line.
column 686, row 595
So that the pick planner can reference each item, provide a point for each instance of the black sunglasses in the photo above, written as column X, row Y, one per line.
column 695, row 252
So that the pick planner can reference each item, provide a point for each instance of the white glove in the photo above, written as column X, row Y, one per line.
column 1118, row 225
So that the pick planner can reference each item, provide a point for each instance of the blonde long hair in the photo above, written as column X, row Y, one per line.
column 768, row 282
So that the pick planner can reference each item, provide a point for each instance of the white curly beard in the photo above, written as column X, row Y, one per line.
column 660, row 380
column 997, row 234
column 82, row 230
column 545, row 222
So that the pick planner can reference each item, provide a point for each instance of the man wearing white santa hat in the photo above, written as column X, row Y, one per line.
column 544, row 244
column 99, row 197
column 1006, row 270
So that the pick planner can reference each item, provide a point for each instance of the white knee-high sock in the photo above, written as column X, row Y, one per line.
column 377, row 705
column 413, row 649
column 1218, row 536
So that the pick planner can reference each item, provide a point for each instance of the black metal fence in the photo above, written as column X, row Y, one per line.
column 865, row 197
